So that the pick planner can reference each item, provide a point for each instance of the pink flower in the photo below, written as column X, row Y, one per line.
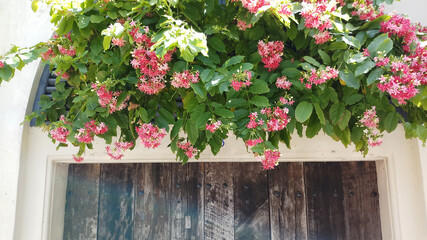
column 60, row 134
column 116, row 153
column 270, row 159
column 370, row 122
column 322, row 37
column 109, row 98
column 77, row 158
column 64, row 51
column 253, row 5
column 271, row 54
column 401, row 27
column 48, row 54
column 213, row 126
column 86, row 134
column 366, row 53
column 184, row 79
column 287, row 101
column 366, row 10
column 283, row 83
column 253, row 142
column 240, row 80
column 1, row 64
column 118, row 42
column 150, row 135
column 188, row 149
column 370, row 119
column 253, row 122
column 242, row 25
column 381, row 61
column 317, row 77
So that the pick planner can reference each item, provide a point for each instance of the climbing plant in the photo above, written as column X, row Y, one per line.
column 200, row 71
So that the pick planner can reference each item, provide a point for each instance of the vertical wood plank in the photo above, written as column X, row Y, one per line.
column 251, row 207
column 325, row 211
column 116, row 208
column 152, row 201
column 81, row 211
column 195, row 201
column 361, row 201
column 219, row 202
column 178, row 200
column 287, row 201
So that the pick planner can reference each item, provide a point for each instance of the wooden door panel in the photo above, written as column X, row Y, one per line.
column 296, row 200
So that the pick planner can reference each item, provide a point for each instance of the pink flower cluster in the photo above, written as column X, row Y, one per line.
column 253, row 5
column 287, row 100
column 48, row 54
column 116, row 153
column 401, row 27
column 240, row 80
column 271, row 53
column 366, row 10
column 64, row 75
column 253, row 142
column 370, row 121
column 213, row 126
column 78, row 158
column 277, row 118
column 152, row 69
column 270, row 159
column 184, row 79
column 188, row 149
column 150, row 135
column 381, row 61
column 60, row 134
column 286, row 10
column 109, row 98
column 242, row 25
column 1, row 64
column 118, row 42
column 283, row 83
column 317, row 77
column 67, row 51
column 86, row 134
column 315, row 15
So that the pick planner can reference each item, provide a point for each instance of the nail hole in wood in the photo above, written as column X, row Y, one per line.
column 208, row 185
column 276, row 193
column 225, row 185
column 351, row 194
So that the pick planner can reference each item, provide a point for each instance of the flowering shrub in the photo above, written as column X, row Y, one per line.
column 199, row 71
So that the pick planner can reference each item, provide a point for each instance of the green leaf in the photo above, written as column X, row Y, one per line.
column 232, row 61
column 391, row 121
column 355, row 98
column 236, row 102
column 35, row 5
column 374, row 76
column 260, row 101
column 223, row 112
column 365, row 67
column 325, row 57
column 207, row 75
column 83, row 21
column 292, row 31
column 106, row 43
column 6, row 73
column 382, row 43
column 312, row 61
column 422, row 133
column 303, row 111
column 143, row 115
column 352, row 41
column 96, row 18
column 199, row 90
column 291, row 72
column 349, row 78
column 192, row 132
column 343, row 122
column 313, row 127
column 168, row 116
column 356, row 134
column 337, row 112
column 259, row 87
column 337, row 45
column 319, row 113
column 216, row 43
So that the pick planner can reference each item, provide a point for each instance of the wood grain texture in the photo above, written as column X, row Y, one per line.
column 116, row 208
column 219, row 202
column 195, row 201
column 325, row 212
column 81, row 210
column 287, row 202
column 179, row 196
column 361, row 202
column 152, row 201
column 251, row 206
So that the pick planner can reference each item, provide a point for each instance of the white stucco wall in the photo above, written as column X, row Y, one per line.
column 26, row 155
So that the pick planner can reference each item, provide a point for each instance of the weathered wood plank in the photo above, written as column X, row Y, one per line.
column 81, row 211
column 178, row 200
column 219, row 202
column 152, row 201
column 195, row 214
column 361, row 201
column 251, row 207
column 287, row 202
column 116, row 208
column 325, row 212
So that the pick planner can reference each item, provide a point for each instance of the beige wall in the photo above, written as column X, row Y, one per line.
column 27, row 157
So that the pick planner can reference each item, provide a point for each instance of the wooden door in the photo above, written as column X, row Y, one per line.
column 222, row 201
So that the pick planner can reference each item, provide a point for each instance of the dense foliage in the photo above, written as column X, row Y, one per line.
column 200, row 71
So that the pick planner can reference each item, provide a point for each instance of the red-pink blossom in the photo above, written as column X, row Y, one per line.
column 184, row 79
column 370, row 121
column 118, row 42
column 317, row 77
column 271, row 53
column 109, row 98
column 241, row 79
column 401, row 27
column 67, row 51
column 242, row 25
column 381, row 61
column 283, row 83
column 150, row 135
column 188, row 149
column 322, row 37
column 366, row 53
column 270, row 159
column 253, row 5
column 253, row 142
column 77, row 158
column 60, row 134
column 366, row 10
column 213, row 126
column 117, row 152
column 1, row 64
column 86, row 134
column 48, row 54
